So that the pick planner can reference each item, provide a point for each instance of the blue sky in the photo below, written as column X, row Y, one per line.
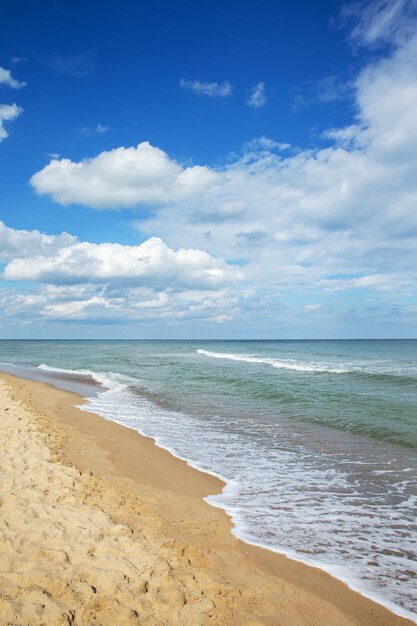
column 221, row 170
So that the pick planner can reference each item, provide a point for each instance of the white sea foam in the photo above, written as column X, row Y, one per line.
column 288, row 364
column 110, row 380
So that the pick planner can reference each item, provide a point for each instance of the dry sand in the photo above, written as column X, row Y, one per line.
column 99, row 526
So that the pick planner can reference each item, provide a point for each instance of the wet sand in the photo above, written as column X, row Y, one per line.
column 100, row 526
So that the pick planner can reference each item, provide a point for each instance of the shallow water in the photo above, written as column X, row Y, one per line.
column 316, row 440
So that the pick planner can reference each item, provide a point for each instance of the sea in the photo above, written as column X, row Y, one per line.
column 316, row 441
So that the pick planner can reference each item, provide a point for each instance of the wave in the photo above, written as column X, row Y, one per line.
column 288, row 364
column 387, row 376
column 375, row 371
column 110, row 380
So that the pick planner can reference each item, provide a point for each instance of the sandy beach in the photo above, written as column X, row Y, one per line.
column 99, row 526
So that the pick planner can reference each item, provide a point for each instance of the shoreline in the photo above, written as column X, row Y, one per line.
column 262, row 585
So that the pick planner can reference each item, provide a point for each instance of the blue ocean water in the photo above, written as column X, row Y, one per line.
column 316, row 440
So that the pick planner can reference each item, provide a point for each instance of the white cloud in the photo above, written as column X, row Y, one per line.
column 124, row 177
column 151, row 262
column 325, row 90
column 264, row 143
column 113, row 282
column 388, row 282
column 213, row 90
column 93, row 303
column 381, row 21
column 99, row 129
column 312, row 308
column 101, row 304
column 16, row 243
column 8, row 113
column 257, row 96
column 346, row 137
column 7, row 79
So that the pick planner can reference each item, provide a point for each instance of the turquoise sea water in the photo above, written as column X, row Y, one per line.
column 316, row 440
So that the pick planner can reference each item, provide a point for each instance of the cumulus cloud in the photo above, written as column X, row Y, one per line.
column 213, row 90
column 120, row 178
column 151, row 262
column 7, row 80
column 8, row 113
column 15, row 243
column 257, row 96
column 140, row 304
column 109, row 281
column 98, row 304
